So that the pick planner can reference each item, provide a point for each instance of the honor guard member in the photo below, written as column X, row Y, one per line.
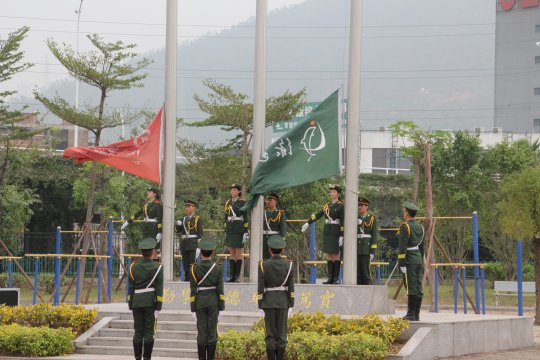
column 333, row 213
column 410, row 259
column 367, row 241
column 145, row 298
column 236, row 230
column 190, row 228
column 274, row 221
column 207, row 299
column 153, row 216
column 275, row 295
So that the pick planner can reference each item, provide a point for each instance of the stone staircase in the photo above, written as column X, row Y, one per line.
column 176, row 333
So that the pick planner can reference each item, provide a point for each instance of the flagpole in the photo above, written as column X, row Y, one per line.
column 259, row 115
column 169, row 169
column 352, row 141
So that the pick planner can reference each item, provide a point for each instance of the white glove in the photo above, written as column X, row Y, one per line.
column 156, row 314
column 179, row 223
column 371, row 256
column 341, row 241
column 194, row 317
column 289, row 313
column 403, row 269
column 124, row 225
column 159, row 236
column 261, row 313
column 197, row 253
column 245, row 238
column 359, row 221
column 305, row 227
column 219, row 317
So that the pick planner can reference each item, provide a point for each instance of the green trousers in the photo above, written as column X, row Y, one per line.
column 144, row 324
column 188, row 258
column 363, row 276
column 275, row 324
column 207, row 325
column 413, row 279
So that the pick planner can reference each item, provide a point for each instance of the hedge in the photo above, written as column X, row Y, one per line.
column 35, row 341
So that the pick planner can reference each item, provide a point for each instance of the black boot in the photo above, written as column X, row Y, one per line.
column 201, row 351
column 330, row 272
column 137, row 349
column 271, row 354
column 211, row 351
column 237, row 273
column 337, row 267
column 233, row 272
column 148, row 347
column 280, row 354
column 411, row 308
column 418, row 307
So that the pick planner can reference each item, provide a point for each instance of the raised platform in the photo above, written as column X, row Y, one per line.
column 329, row 299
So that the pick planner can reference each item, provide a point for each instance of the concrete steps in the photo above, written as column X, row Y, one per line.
column 128, row 350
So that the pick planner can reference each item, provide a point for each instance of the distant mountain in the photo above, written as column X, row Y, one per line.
column 418, row 63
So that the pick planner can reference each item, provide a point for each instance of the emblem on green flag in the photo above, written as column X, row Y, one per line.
column 307, row 152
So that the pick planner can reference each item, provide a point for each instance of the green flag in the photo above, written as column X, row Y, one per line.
column 307, row 152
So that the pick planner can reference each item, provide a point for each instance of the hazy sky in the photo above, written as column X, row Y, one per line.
column 132, row 21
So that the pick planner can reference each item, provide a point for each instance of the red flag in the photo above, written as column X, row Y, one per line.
column 140, row 156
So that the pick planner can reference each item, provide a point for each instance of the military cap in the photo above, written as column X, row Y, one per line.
column 189, row 202
column 147, row 244
column 363, row 200
column 334, row 187
column 207, row 244
column 154, row 189
column 276, row 242
column 236, row 186
column 410, row 206
column 272, row 195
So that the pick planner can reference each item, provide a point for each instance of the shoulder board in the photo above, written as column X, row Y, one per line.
column 157, row 202
column 404, row 223
column 281, row 210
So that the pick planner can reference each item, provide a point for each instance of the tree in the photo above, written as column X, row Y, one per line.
column 232, row 111
column 110, row 67
column 520, row 215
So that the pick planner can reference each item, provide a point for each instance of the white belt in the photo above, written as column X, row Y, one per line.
column 206, row 288
column 235, row 218
column 332, row 222
column 148, row 220
column 145, row 290
column 270, row 232
column 362, row 236
column 413, row 248
column 277, row 288
column 189, row 236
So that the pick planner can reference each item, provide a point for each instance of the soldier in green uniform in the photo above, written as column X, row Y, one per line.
column 411, row 258
column 236, row 230
column 334, row 213
column 367, row 241
column 274, row 221
column 207, row 299
column 190, row 228
column 275, row 295
column 145, row 298
column 153, row 216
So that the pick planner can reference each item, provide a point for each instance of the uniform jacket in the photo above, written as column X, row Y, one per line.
column 140, row 277
column 333, row 212
column 273, row 273
column 275, row 220
column 367, row 226
column 190, row 226
column 151, row 210
column 411, row 243
column 232, row 210
column 200, row 299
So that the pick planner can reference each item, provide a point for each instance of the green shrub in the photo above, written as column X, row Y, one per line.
column 495, row 271
column 46, row 282
column 76, row 318
column 528, row 272
column 35, row 341
column 246, row 345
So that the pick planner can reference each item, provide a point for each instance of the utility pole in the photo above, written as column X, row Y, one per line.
column 259, row 120
column 353, row 144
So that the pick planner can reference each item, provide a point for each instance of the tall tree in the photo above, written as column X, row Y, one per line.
column 111, row 66
column 520, row 215
column 233, row 112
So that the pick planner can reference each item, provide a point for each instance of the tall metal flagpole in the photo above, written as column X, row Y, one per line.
column 353, row 144
column 259, row 116
column 76, row 128
column 169, row 169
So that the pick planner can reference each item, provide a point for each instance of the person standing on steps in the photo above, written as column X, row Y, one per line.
column 411, row 259
column 207, row 299
column 236, row 231
column 275, row 296
column 274, row 221
column 334, row 214
column 145, row 299
column 367, row 241
column 190, row 228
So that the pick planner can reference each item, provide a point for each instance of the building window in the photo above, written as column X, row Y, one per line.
column 536, row 91
column 537, row 28
column 537, row 123
column 537, row 59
